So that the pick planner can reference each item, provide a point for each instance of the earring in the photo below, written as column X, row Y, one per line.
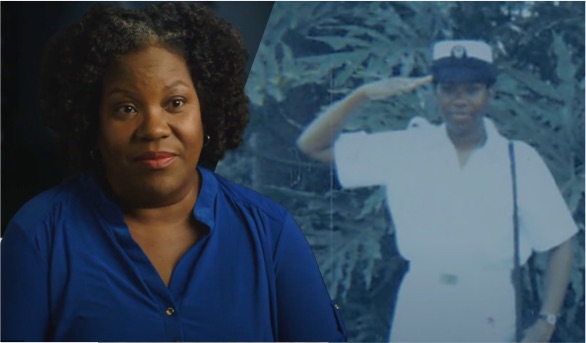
column 206, row 140
column 94, row 155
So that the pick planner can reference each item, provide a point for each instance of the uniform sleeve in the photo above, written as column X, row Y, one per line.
column 364, row 160
column 543, row 213
column 305, row 310
column 24, row 293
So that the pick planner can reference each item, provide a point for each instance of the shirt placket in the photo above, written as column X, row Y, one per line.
column 172, row 322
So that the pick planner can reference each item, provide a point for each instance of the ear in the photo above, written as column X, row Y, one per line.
column 98, row 142
column 491, row 92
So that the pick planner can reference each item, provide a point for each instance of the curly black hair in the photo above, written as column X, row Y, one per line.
column 76, row 59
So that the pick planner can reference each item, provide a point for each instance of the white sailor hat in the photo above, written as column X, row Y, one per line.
column 463, row 61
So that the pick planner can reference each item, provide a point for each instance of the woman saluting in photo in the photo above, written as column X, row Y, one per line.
column 450, row 192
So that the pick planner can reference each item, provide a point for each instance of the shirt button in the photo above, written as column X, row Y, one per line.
column 336, row 307
column 169, row 311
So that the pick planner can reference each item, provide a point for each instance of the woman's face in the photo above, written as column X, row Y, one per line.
column 463, row 105
column 151, row 133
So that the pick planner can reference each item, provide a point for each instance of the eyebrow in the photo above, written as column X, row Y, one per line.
column 130, row 92
column 116, row 90
column 174, row 84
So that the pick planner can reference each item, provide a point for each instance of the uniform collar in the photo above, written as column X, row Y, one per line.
column 494, row 139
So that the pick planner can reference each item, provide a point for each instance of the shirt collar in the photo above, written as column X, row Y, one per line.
column 493, row 137
column 494, row 140
column 205, row 205
column 107, row 209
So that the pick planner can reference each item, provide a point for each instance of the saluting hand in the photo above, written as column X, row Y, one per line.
column 392, row 86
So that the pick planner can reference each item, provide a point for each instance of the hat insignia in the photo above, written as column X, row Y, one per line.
column 458, row 51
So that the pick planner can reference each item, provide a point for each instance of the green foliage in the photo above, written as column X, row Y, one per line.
column 314, row 53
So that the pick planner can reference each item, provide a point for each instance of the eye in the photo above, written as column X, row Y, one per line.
column 175, row 103
column 447, row 89
column 126, row 110
column 475, row 89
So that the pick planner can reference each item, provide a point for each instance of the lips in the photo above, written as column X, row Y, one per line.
column 156, row 159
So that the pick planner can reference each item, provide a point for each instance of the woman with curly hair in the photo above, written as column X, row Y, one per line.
column 144, row 243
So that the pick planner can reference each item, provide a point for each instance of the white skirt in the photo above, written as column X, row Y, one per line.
column 449, row 306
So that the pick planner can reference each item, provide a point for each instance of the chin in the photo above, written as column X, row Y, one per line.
column 463, row 126
column 158, row 190
column 458, row 128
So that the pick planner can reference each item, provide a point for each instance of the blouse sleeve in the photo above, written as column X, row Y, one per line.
column 25, row 309
column 543, row 212
column 305, row 310
column 364, row 160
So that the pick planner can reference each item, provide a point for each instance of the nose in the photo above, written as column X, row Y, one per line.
column 154, row 125
column 460, row 98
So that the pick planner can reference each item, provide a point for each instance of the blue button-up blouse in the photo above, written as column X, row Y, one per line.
column 72, row 272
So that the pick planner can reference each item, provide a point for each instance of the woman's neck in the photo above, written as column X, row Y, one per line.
column 157, row 210
column 169, row 215
column 468, row 140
